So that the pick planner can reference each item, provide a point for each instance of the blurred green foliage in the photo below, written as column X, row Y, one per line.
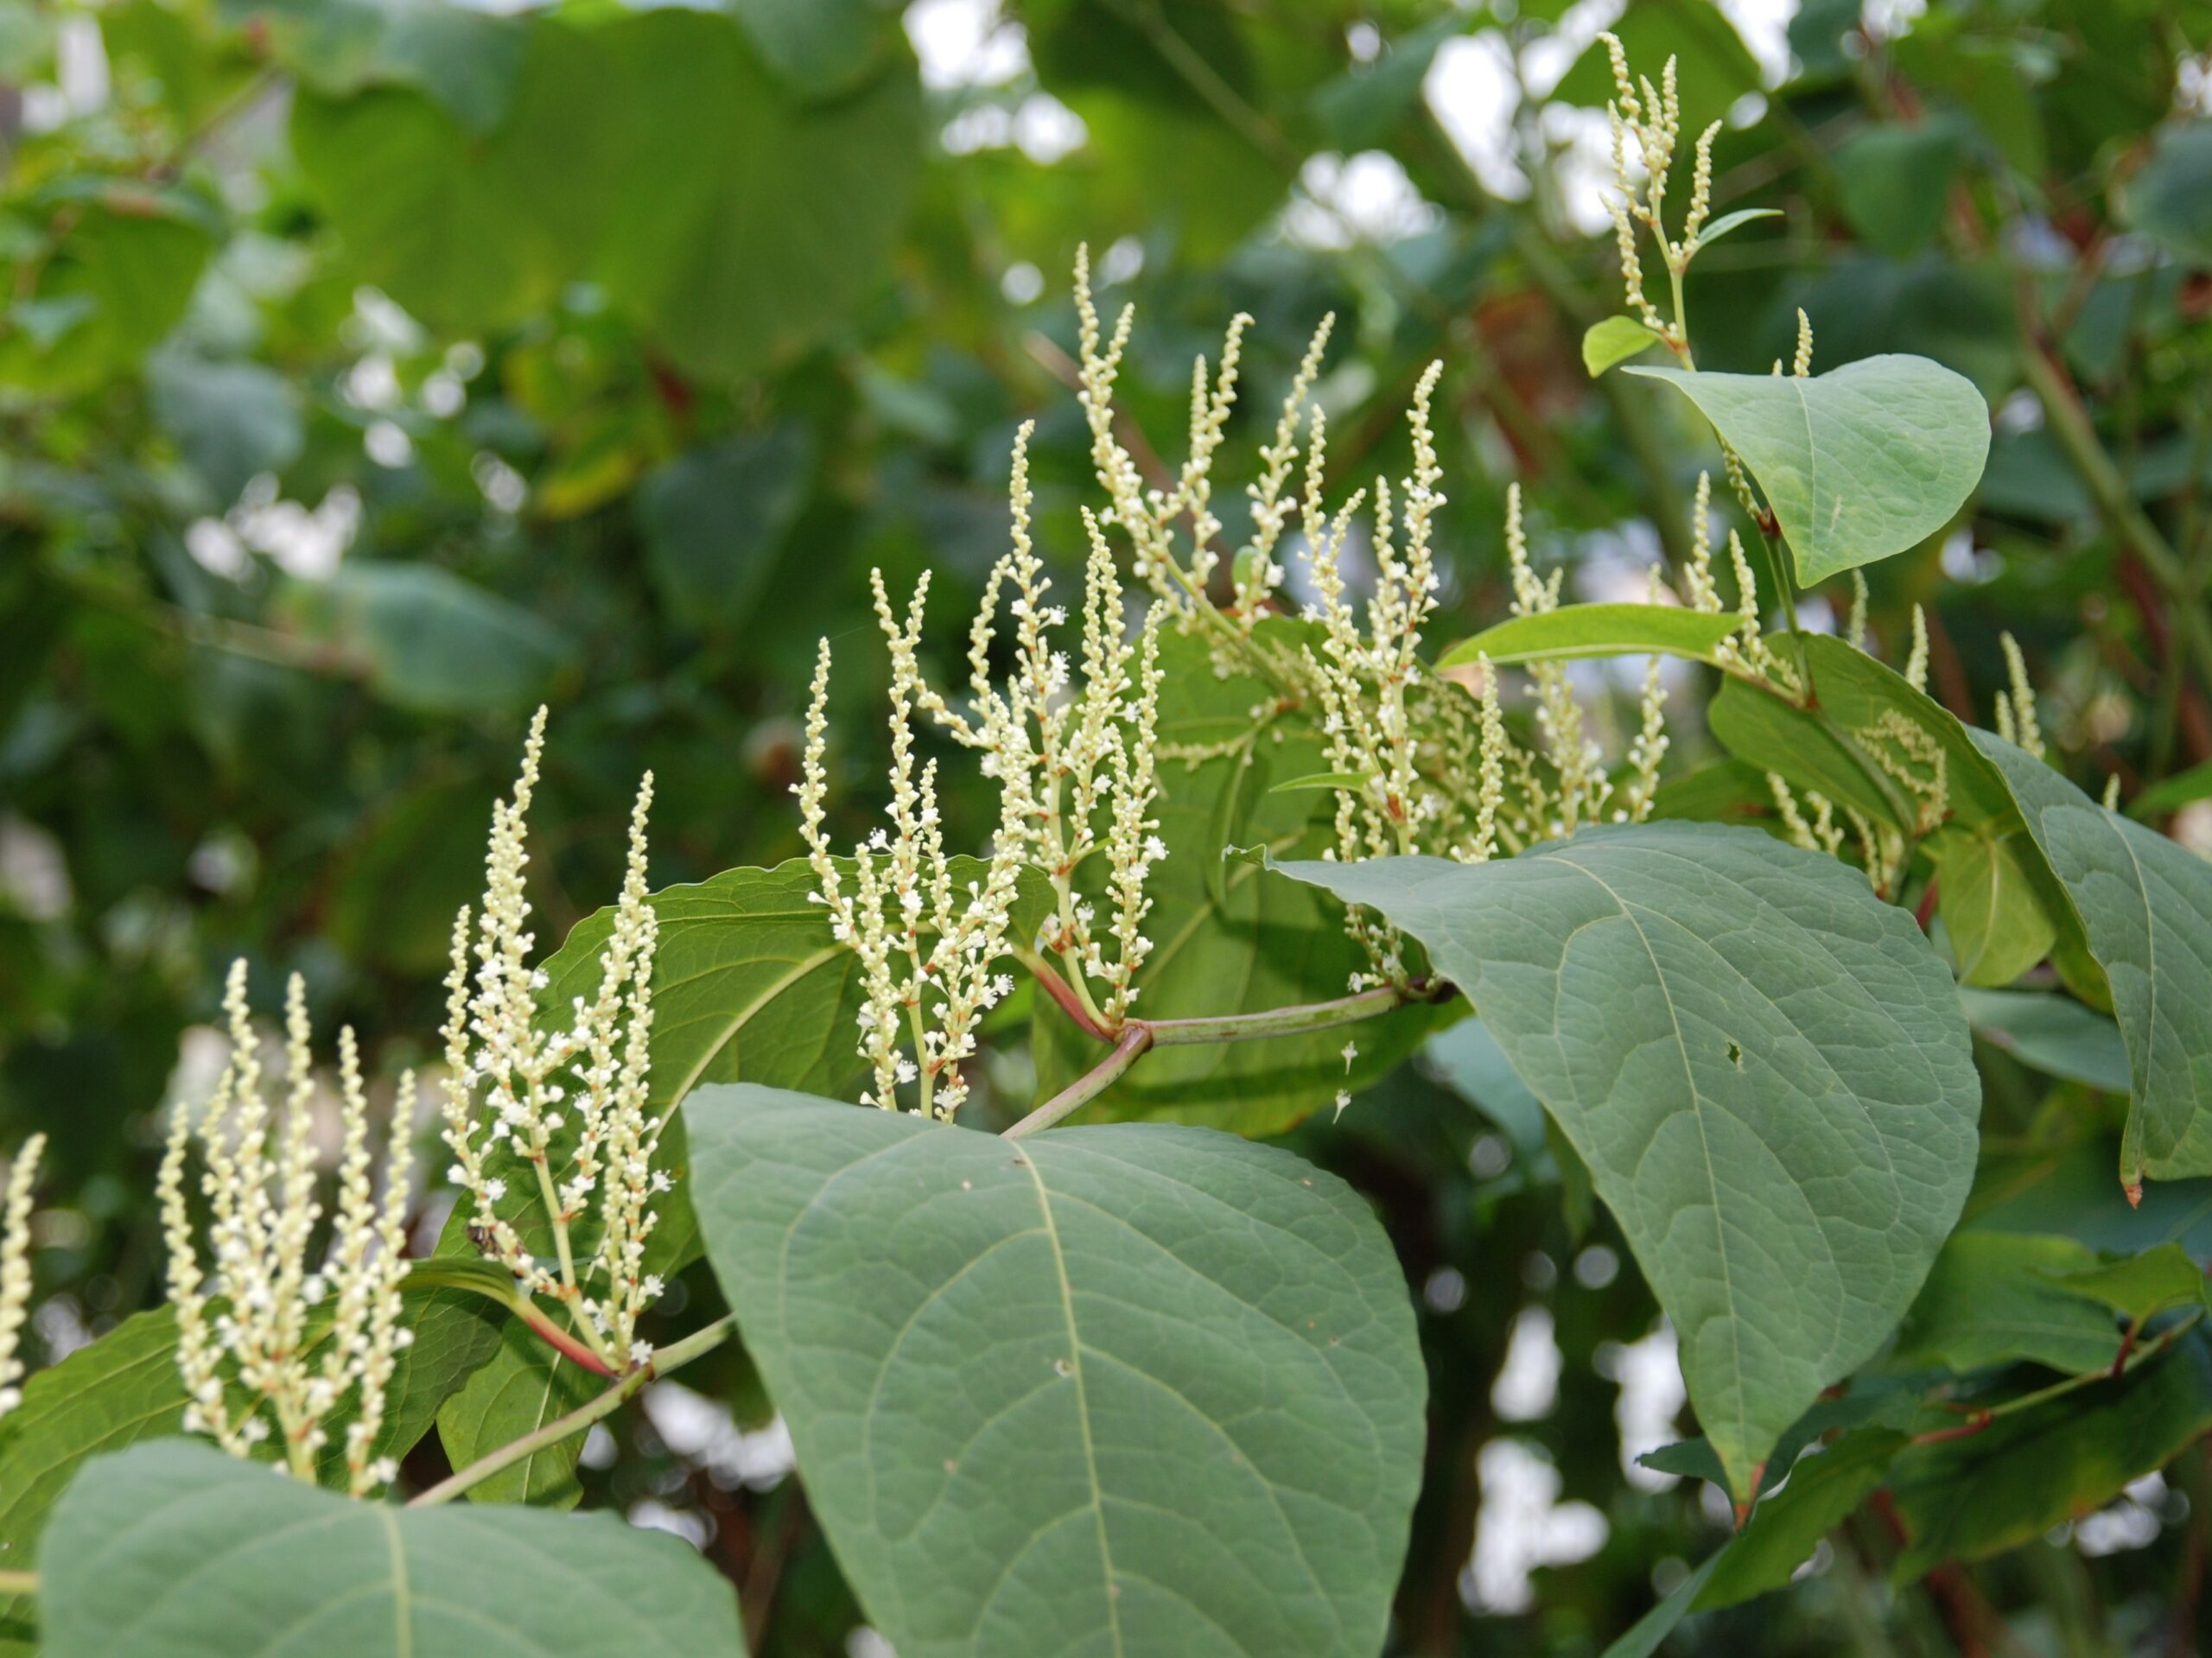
column 371, row 370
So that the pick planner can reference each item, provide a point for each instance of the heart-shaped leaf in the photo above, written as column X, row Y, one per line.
column 1858, row 464
column 1763, row 1065
column 1127, row 1388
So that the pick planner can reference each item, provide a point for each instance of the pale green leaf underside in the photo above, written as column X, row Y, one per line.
column 2145, row 905
column 1131, row 1389
column 1859, row 463
column 1765, row 1067
column 1575, row 631
column 174, row 1550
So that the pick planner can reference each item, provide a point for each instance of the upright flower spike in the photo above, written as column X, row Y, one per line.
column 15, row 1268
column 928, row 954
column 252, row 1369
column 563, row 1109
column 2016, row 706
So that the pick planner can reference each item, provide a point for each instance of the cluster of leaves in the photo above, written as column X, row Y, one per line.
column 592, row 340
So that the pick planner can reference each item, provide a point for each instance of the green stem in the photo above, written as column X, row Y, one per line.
column 673, row 1356
column 1088, row 1086
column 18, row 1583
column 1285, row 1021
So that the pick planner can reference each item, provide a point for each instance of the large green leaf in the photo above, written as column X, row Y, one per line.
column 770, row 212
column 1859, row 463
column 1785, row 1528
column 1129, row 1388
column 176, row 1551
column 1996, row 1297
column 1966, row 1498
column 116, row 278
column 1225, row 939
column 463, row 57
column 1763, row 1064
column 1574, row 631
column 714, row 521
column 124, row 1388
column 2145, row 906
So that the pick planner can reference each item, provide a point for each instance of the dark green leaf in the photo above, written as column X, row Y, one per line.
column 2170, row 197
column 1998, row 1297
column 1968, row 1498
column 2051, row 1033
column 714, row 521
column 2145, row 906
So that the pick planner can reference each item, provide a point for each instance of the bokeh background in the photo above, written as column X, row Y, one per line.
column 373, row 370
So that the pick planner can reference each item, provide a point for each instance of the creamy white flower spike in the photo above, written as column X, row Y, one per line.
column 15, row 1268
column 559, row 1099
column 256, row 1353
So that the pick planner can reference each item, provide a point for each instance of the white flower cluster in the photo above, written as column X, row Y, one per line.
column 15, row 1268
column 1067, row 757
column 1076, row 769
column 251, row 1324
column 567, row 1107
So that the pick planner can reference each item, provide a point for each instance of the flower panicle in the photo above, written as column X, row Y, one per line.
column 245, row 1348
column 552, row 1107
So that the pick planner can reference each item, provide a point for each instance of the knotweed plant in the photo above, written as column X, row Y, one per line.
column 281, row 1336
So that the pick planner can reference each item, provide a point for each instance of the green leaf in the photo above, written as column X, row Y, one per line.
column 1783, row 1530
column 1763, row 1064
column 1001, row 1363
column 2142, row 1287
column 2145, row 906
column 714, row 521
column 1614, row 339
column 1969, row 1498
column 819, row 47
column 430, row 641
column 525, row 1385
column 2051, row 1033
column 1992, row 908
column 1896, row 182
column 1998, row 1297
column 1227, row 940
column 2170, row 197
column 2171, row 794
column 231, row 419
column 1859, row 464
column 1728, row 223
column 1573, row 631
column 465, row 59
column 124, row 1388
column 1839, row 747
column 111, row 285
column 174, row 1549
column 769, row 217
column 1651, row 1630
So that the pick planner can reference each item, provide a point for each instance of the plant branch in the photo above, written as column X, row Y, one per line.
column 18, row 1583
column 673, row 1356
column 1134, row 1040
